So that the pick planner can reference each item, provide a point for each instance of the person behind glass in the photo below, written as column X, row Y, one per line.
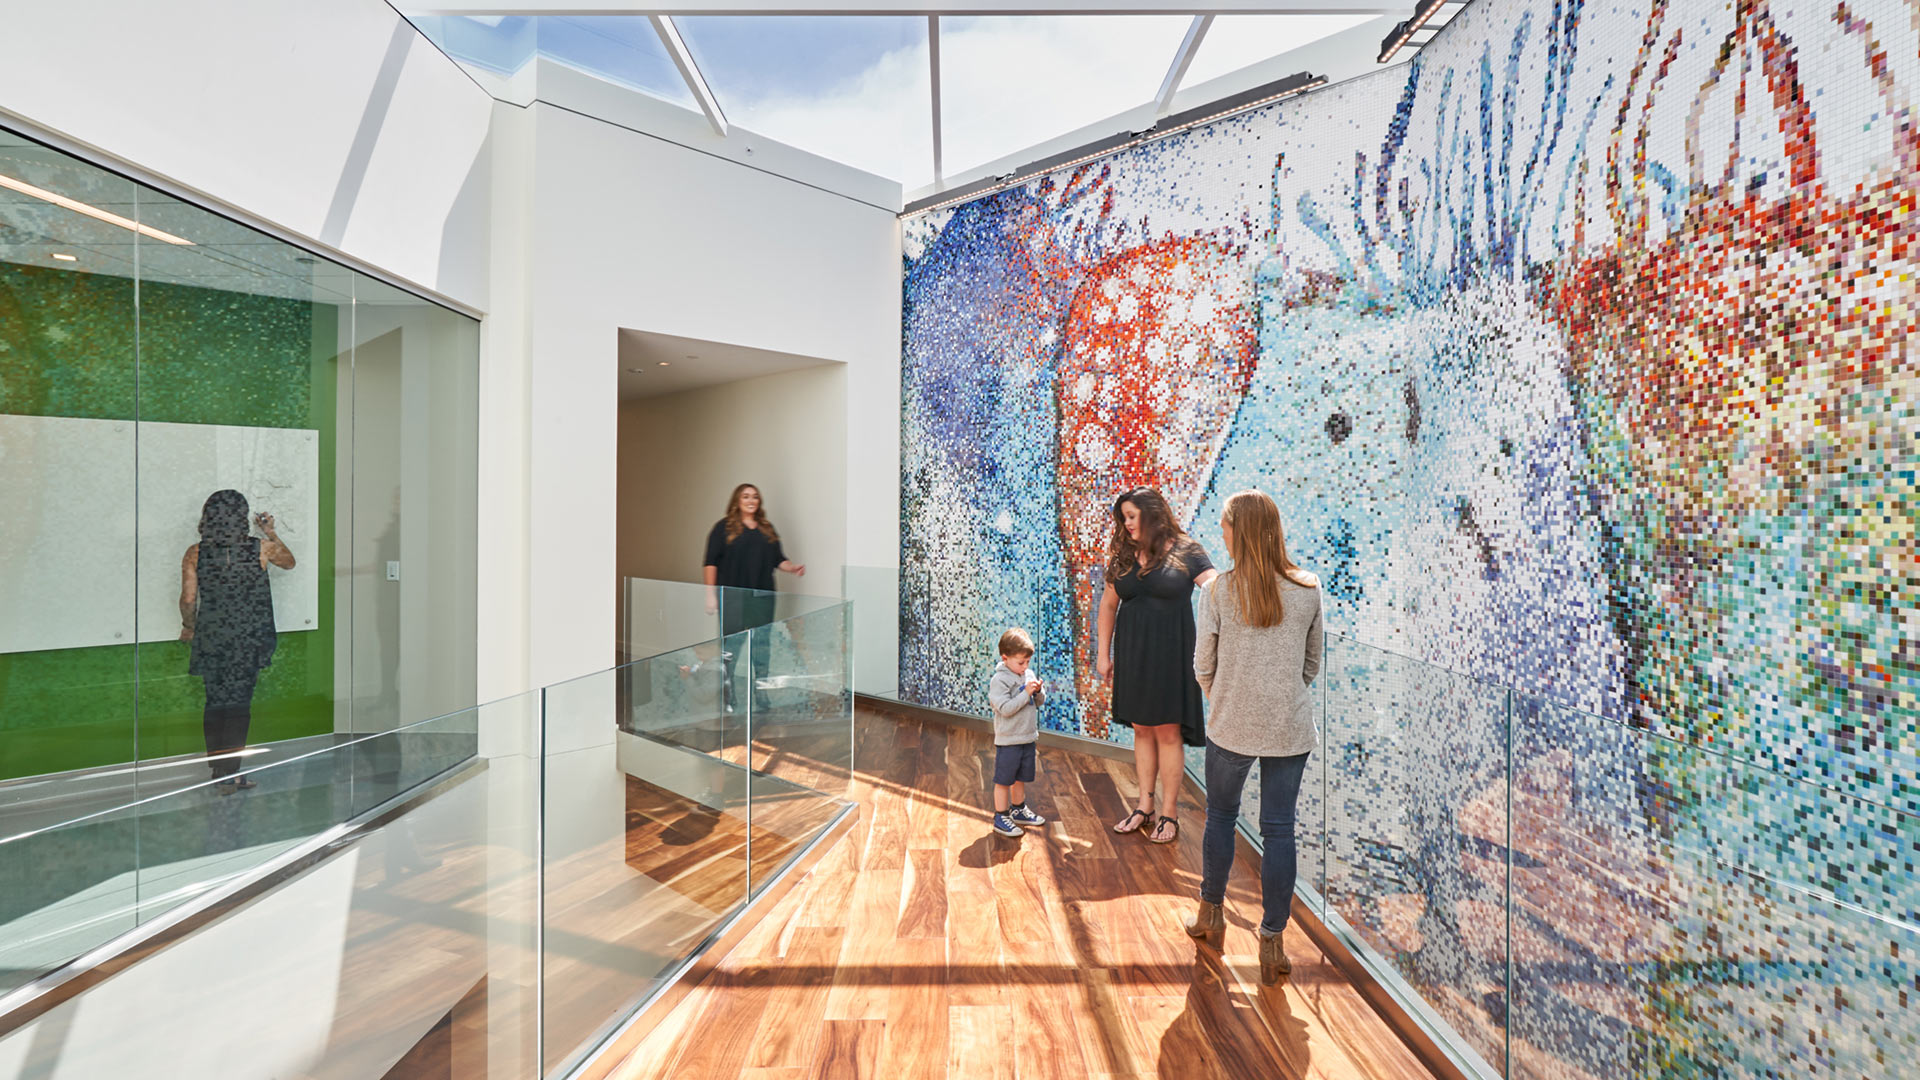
column 743, row 551
column 1144, row 643
column 1258, row 650
column 226, row 613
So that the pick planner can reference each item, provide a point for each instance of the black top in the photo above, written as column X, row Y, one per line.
column 1153, row 639
column 233, row 632
column 747, row 562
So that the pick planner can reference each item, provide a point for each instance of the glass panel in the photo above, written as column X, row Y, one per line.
column 1009, row 83
column 646, row 831
column 241, row 368
column 874, row 592
column 620, row 48
column 852, row 88
column 1238, row 41
column 1674, row 904
column 1417, row 831
column 498, row 51
column 412, row 946
column 802, row 734
column 413, row 531
column 67, row 473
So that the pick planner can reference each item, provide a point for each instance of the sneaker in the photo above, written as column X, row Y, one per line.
column 1004, row 825
column 1020, row 815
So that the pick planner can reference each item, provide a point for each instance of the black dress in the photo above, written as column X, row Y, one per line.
column 1153, row 638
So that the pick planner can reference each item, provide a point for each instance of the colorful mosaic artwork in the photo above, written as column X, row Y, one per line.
column 1582, row 358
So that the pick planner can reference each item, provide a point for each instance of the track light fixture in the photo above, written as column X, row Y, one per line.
column 1397, row 40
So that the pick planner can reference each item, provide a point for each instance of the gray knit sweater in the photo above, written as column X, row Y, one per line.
column 1016, row 713
column 1256, row 679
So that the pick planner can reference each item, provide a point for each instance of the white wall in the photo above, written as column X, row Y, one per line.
column 681, row 455
column 630, row 231
column 335, row 121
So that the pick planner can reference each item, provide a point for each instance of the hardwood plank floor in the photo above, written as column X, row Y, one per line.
column 926, row 946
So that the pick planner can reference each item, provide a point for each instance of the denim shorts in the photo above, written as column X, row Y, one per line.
column 1013, row 763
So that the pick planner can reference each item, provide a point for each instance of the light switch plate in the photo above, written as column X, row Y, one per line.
column 393, row 570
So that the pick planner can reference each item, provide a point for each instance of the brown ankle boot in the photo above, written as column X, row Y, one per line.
column 1274, row 964
column 1209, row 919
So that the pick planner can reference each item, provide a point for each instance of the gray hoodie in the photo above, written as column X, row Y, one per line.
column 1016, row 714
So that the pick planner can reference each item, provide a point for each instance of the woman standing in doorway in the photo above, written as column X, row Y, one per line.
column 743, row 551
column 226, row 612
column 1144, row 644
column 1258, row 651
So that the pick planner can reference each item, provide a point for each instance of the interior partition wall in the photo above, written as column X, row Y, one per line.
column 154, row 352
column 1579, row 356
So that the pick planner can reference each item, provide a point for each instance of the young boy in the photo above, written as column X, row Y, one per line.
column 1015, row 696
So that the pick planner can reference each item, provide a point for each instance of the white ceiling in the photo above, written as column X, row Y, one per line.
column 653, row 365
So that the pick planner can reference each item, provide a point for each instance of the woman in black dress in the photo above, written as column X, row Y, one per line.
column 743, row 551
column 1146, row 638
column 226, row 611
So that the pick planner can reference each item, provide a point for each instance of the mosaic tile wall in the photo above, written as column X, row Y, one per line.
column 1581, row 356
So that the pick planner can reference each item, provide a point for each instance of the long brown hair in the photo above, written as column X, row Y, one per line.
column 735, row 520
column 1161, row 537
column 1259, row 553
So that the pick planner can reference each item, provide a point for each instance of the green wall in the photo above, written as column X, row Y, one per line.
column 89, row 346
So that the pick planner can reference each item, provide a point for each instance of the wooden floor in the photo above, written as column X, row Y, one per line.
column 923, row 945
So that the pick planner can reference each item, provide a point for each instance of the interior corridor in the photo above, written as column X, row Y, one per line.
column 923, row 945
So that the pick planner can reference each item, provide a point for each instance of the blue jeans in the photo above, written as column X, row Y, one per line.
column 1279, row 790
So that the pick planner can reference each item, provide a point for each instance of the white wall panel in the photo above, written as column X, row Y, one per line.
column 71, row 573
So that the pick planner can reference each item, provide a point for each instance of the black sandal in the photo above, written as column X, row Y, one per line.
column 1133, row 821
column 1154, row 839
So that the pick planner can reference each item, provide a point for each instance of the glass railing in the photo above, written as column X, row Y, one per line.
column 501, row 888
column 658, row 616
column 875, row 592
column 1557, row 893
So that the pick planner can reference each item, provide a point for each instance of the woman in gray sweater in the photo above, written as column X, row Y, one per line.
column 1257, row 652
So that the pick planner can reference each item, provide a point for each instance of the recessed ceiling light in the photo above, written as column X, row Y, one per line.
column 666, row 363
column 635, row 370
column 64, row 257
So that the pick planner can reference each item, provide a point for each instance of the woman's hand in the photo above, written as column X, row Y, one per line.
column 265, row 521
column 794, row 568
column 1104, row 666
column 186, row 633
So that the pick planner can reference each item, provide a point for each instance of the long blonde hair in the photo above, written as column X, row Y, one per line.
column 1259, row 553
column 736, row 521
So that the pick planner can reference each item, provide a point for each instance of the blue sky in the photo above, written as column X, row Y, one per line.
column 856, row 88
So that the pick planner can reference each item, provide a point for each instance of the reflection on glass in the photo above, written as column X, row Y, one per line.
column 646, row 830
column 1416, row 830
column 183, row 541
column 802, row 734
column 68, row 354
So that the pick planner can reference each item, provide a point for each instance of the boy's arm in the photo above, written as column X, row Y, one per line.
column 1006, row 702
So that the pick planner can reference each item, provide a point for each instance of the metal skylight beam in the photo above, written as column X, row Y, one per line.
column 690, row 71
column 933, row 70
column 1182, row 60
